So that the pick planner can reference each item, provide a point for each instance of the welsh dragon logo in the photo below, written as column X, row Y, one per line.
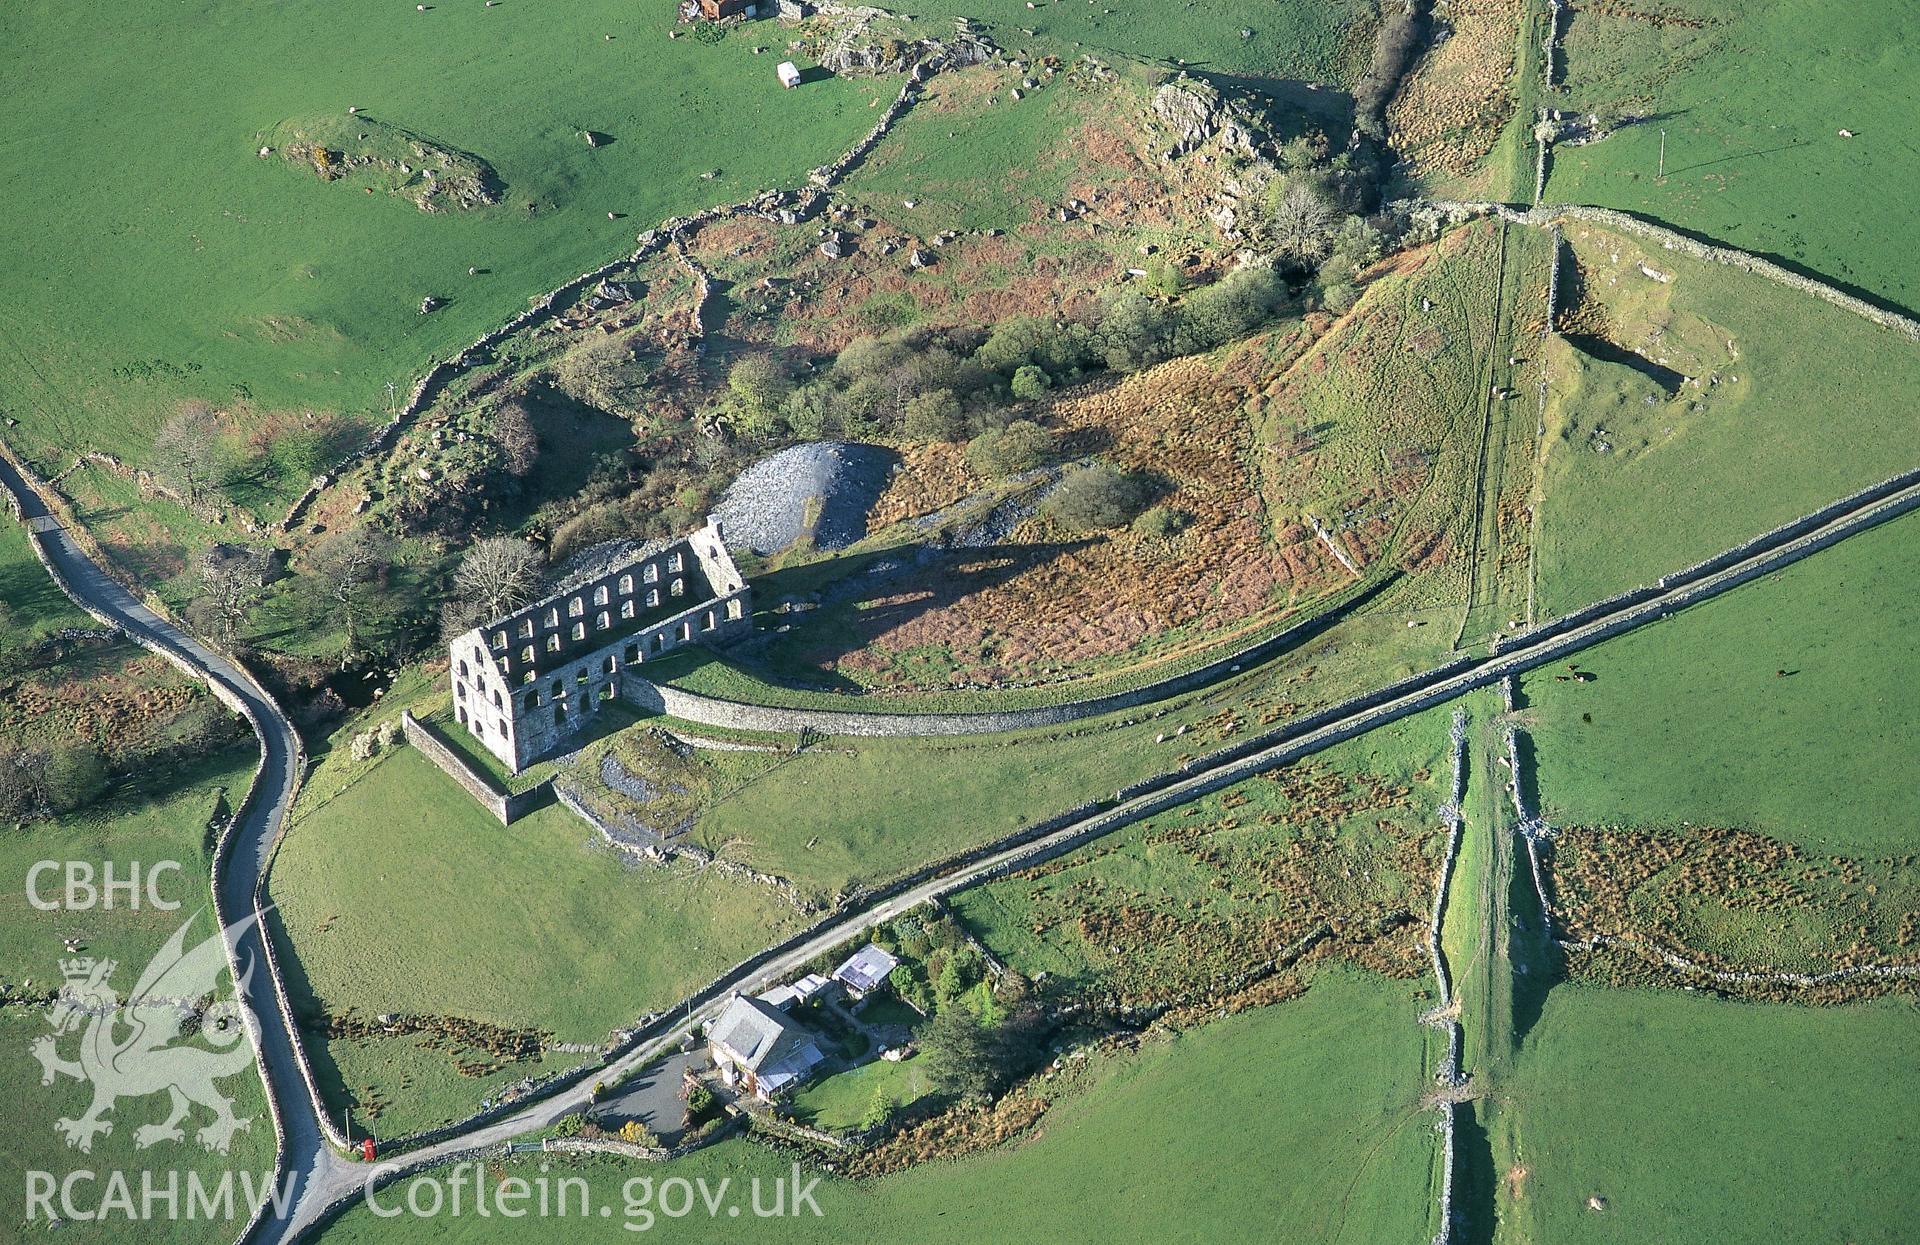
column 171, row 1036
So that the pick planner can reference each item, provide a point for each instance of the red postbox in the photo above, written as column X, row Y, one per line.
column 366, row 1149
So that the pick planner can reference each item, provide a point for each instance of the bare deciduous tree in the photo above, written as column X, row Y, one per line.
column 186, row 451
column 228, row 584
column 1303, row 221
column 498, row 574
column 346, row 567
column 512, row 429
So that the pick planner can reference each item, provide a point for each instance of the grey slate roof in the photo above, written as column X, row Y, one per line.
column 764, row 1041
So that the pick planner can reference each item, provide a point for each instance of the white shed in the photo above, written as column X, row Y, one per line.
column 789, row 74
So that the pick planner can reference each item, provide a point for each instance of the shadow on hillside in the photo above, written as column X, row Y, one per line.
column 891, row 590
column 1473, row 1178
column 1600, row 348
column 1538, row 962
column 1296, row 99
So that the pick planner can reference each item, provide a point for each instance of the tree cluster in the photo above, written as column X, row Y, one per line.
column 960, row 382
column 193, row 454
column 48, row 779
column 971, row 1056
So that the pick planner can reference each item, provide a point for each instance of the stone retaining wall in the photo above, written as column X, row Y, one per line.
column 627, row 1149
column 713, row 711
column 774, row 1126
column 1449, row 1071
column 1554, row 9
column 1884, row 972
column 1448, row 1112
column 506, row 806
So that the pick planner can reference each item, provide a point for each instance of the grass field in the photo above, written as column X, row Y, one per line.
column 1807, row 1110
column 1299, row 1118
column 161, row 821
column 139, row 193
column 31, row 606
column 1168, row 910
column 1476, row 920
column 864, row 810
column 1013, row 146
column 1751, row 104
column 450, row 915
column 167, row 824
column 1691, row 721
column 1805, row 404
column 1376, row 431
column 1316, row 40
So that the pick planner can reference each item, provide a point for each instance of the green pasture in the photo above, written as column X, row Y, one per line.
column 1797, row 403
column 1752, row 102
column 1301, row 1119
column 1318, row 40
column 393, row 1086
column 444, row 912
column 1479, row 960
column 166, row 822
column 1694, row 1118
column 1009, row 168
column 1693, row 719
column 162, row 820
column 154, row 256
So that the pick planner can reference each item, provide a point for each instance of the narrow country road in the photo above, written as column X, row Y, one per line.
column 327, row 1183
column 248, row 843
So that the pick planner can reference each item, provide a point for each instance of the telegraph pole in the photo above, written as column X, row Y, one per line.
column 391, row 386
column 1662, row 174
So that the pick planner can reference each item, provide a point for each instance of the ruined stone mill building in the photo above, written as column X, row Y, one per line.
column 523, row 683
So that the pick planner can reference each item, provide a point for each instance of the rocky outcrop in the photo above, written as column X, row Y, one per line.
column 1193, row 112
column 434, row 176
column 866, row 42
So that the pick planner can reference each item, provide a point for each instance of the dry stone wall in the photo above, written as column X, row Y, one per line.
column 739, row 715
column 1673, row 240
column 1450, row 813
column 769, row 205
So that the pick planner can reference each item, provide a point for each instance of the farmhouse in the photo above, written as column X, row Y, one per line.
column 523, row 683
column 714, row 10
column 757, row 1048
